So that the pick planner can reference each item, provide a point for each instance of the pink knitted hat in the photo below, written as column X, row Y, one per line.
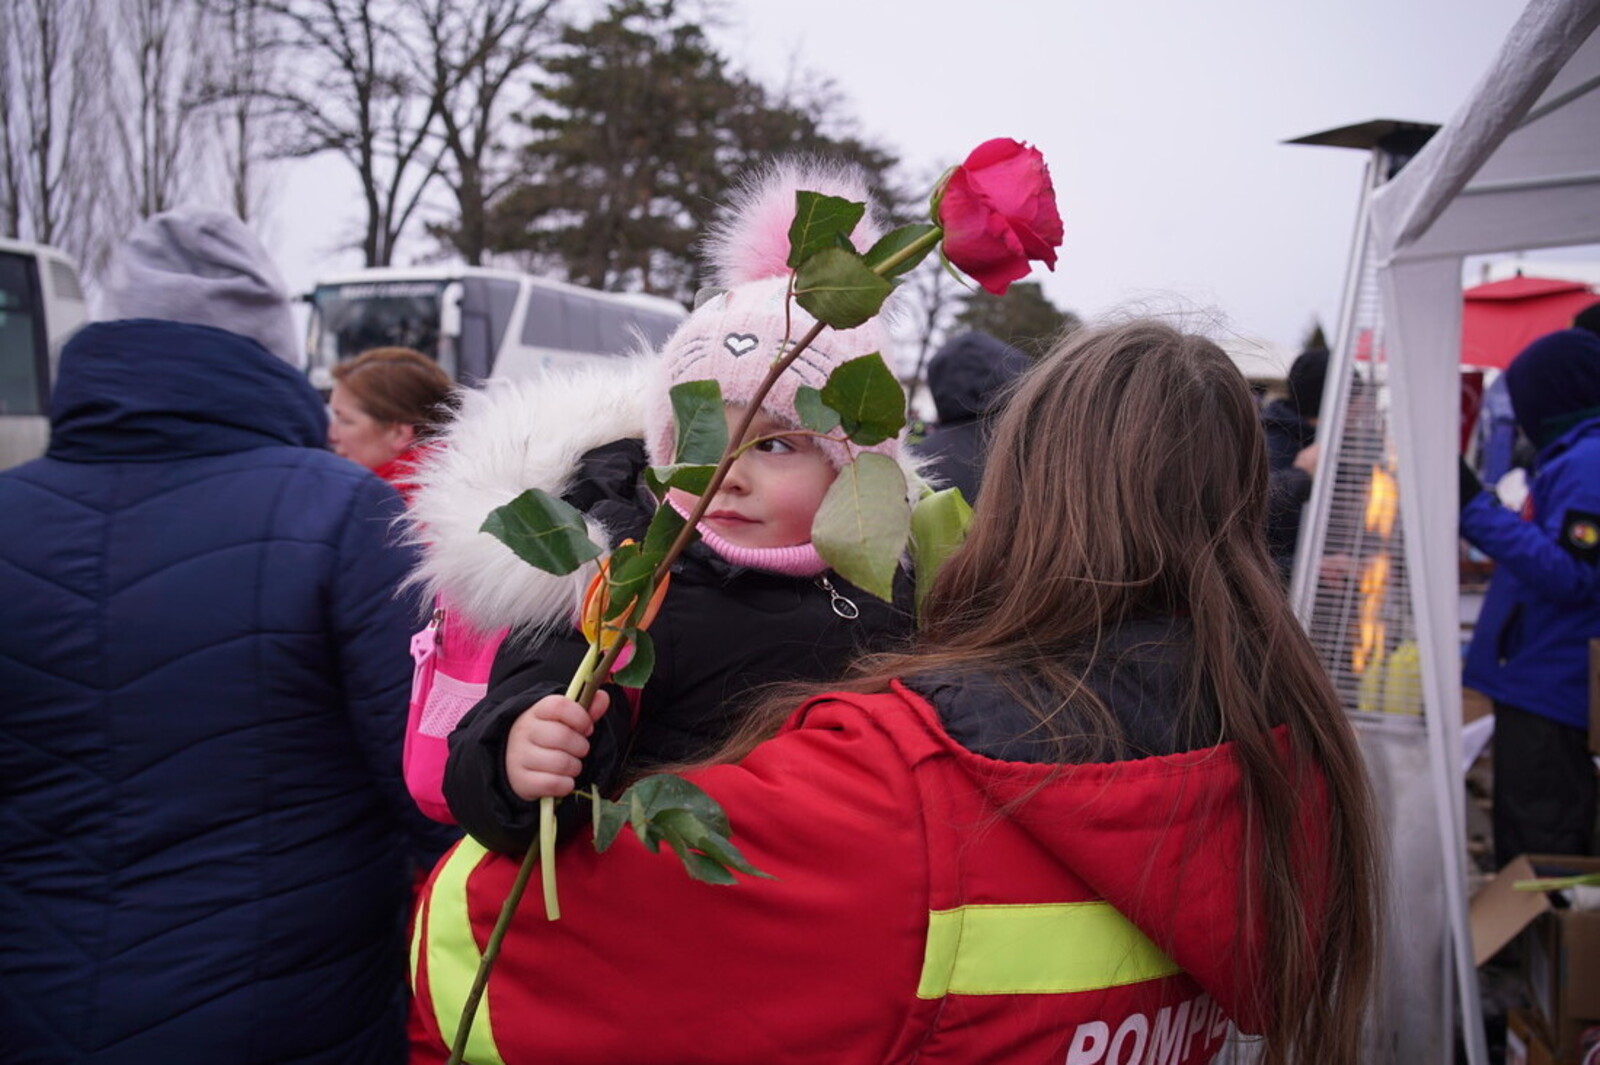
column 734, row 336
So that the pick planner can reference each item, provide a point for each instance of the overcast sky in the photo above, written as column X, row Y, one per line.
column 1161, row 121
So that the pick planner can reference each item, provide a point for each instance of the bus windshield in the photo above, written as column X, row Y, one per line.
column 22, row 347
column 349, row 319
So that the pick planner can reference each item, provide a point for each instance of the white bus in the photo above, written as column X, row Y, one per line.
column 476, row 321
column 41, row 304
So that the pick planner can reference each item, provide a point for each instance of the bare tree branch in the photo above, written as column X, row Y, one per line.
column 474, row 49
column 53, row 75
column 345, row 82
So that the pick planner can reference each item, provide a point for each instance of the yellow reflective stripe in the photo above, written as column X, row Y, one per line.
column 1036, row 949
column 416, row 946
column 453, row 955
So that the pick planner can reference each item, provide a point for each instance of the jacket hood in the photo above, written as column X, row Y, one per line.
column 1160, row 838
column 1553, row 381
column 967, row 373
column 144, row 390
column 508, row 437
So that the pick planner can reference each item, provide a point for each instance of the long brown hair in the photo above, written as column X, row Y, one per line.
column 1126, row 478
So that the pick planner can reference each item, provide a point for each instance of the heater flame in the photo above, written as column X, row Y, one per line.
column 1383, row 504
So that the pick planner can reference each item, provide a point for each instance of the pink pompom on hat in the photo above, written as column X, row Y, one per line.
column 734, row 336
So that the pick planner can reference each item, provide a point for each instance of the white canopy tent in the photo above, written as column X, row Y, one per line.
column 1517, row 168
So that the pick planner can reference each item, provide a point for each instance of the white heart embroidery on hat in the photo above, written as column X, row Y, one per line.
column 741, row 343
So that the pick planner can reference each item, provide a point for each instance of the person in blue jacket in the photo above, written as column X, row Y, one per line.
column 1530, row 647
column 209, row 848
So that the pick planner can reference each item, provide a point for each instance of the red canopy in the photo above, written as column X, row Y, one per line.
column 1500, row 318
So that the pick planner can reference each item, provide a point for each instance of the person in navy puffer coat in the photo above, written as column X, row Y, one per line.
column 208, row 844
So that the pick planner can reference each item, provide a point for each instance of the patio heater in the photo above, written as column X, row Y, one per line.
column 1352, row 592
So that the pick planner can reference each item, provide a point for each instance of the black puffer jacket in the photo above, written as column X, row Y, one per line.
column 1287, row 433
column 723, row 631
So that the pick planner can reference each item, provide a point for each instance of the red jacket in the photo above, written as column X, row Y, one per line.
column 930, row 905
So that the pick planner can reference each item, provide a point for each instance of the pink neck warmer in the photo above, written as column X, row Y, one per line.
column 800, row 560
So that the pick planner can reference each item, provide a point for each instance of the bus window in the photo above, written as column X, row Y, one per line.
column 583, row 325
column 64, row 281
column 545, row 323
column 486, row 307
column 349, row 319
column 656, row 328
column 617, row 336
column 23, row 350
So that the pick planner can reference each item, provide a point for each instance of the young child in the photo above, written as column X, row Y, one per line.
column 1105, row 805
column 751, row 603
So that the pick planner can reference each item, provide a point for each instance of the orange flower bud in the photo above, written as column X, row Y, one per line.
column 596, row 598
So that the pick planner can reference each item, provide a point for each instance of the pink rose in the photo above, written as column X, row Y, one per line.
column 998, row 212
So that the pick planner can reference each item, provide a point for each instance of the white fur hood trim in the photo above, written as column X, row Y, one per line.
column 508, row 437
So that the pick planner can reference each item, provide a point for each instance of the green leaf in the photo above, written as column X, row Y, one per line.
column 870, row 402
column 684, row 828
column 545, row 532
column 705, row 869
column 663, row 791
column 837, row 288
column 628, row 576
column 862, row 525
column 718, row 847
column 668, row 809
column 814, row 413
column 702, row 427
column 665, row 526
column 639, row 818
column 938, row 526
column 820, row 222
column 643, row 662
column 692, row 479
column 609, row 817
column 896, row 241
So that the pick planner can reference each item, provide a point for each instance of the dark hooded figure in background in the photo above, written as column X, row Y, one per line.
column 967, row 377
column 209, row 845
column 1530, row 646
column 1290, row 427
column 1290, row 423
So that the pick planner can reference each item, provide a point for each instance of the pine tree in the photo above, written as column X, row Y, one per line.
column 640, row 131
column 1024, row 317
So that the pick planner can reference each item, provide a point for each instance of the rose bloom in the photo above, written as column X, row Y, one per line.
column 998, row 212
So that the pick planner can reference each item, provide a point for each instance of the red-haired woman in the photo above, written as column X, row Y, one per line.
column 386, row 403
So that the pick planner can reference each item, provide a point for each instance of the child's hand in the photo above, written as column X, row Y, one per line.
column 547, row 744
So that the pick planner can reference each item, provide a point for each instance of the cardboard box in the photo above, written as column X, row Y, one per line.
column 1560, row 948
column 1525, row 1040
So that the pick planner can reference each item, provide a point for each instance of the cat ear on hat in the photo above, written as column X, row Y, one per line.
column 751, row 241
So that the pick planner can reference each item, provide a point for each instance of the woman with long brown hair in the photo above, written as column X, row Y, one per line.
column 1107, row 804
